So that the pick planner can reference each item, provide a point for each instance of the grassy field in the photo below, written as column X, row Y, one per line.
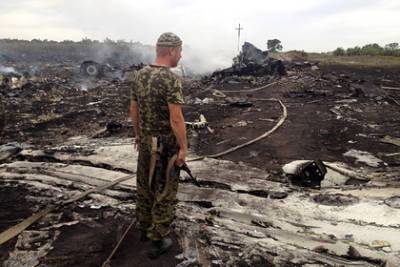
column 370, row 61
column 328, row 59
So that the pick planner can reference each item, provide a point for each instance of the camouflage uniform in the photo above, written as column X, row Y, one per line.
column 2, row 107
column 153, row 89
column 2, row 116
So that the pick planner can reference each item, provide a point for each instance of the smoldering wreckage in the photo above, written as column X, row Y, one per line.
column 296, row 163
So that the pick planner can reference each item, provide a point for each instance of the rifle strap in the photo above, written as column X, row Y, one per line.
column 170, row 166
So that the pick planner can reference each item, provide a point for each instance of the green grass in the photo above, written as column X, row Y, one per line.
column 328, row 59
column 368, row 61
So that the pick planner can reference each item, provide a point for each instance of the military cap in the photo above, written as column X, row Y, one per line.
column 169, row 39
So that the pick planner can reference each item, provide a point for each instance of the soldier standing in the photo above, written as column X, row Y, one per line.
column 156, row 99
column 2, row 107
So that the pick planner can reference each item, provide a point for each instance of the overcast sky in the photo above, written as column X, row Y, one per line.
column 208, row 25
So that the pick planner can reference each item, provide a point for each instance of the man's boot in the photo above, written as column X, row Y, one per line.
column 143, row 236
column 160, row 247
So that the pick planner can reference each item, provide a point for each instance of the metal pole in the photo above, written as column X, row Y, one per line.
column 239, row 29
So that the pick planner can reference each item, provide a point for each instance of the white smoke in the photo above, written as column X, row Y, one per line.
column 84, row 87
column 199, row 61
column 195, row 61
column 6, row 70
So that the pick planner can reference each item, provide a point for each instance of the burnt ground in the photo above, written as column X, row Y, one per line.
column 312, row 130
column 93, row 241
column 11, row 213
column 330, row 111
column 78, row 244
column 51, row 111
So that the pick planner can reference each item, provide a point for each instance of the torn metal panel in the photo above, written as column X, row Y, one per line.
column 235, row 208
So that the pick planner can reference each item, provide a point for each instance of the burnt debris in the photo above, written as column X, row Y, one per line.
column 252, row 61
column 71, row 133
column 91, row 68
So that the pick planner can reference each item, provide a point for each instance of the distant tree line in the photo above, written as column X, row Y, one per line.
column 83, row 41
column 274, row 45
column 61, row 51
column 391, row 49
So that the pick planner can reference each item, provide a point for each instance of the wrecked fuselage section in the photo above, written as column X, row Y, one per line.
column 252, row 61
column 93, row 69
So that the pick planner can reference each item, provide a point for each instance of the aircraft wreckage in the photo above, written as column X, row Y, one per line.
column 295, row 164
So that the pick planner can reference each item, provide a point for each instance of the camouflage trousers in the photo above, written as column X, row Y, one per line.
column 2, row 117
column 156, row 203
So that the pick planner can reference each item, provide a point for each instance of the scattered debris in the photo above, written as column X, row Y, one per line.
column 218, row 93
column 314, row 68
column 390, row 88
column 368, row 90
column 307, row 173
column 241, row 103
column 342, row 170
column 205, row 101
column 79, row 136
column 30, row 247
column 252, row 61
column 201, row 123
column 364, row 157
column 262, row 136
column 8, row 150
column 379, row 244
column 336, row 173
column 92, row 69
column 393, row 202
column 228, row 210
column 241, row 123
column 335, row 199
column 391, row 140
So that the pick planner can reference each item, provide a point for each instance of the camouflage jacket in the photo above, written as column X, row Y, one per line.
column 153, row 88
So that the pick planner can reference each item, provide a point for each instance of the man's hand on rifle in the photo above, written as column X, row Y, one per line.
column 181, row 157
column 178, row 127
column 136, row 143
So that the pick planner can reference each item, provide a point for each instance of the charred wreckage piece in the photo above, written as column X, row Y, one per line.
column 309, row 174
column 252, row 61
column 93, row 69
